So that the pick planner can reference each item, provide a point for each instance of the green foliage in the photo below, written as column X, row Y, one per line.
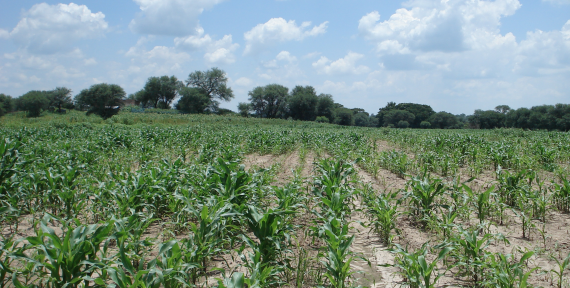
column 193, row 100
column 415, row 269
column 159, row 92
column 212, row 83
column 322, row 119
column 6, row 104
column 269, row 101
column 444, row 120
column 303, row 103
column 396, row 116
column 425, row 125
column 33, row 102
column 383, row 211
column 343, row 116
column 326, row 106
column 423, row 192
column 101, row 99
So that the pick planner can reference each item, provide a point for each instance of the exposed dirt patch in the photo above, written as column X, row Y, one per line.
column 258, row 161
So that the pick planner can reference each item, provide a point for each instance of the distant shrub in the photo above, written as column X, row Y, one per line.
column 403, row 124
column 322, row 119
column 425, row 125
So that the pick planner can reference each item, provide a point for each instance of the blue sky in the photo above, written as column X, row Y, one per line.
column 456, row 56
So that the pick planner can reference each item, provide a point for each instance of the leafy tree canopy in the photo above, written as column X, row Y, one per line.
column 213, row 84
column 269, row 101
column 303, row 103
column 159, row 92
column 6, row 104
column 192, row 100
column 102, row 99
column 33, row 102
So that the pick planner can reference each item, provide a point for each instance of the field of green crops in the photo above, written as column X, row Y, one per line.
column 147, row 200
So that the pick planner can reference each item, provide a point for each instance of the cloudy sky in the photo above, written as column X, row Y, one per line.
column 455, row 55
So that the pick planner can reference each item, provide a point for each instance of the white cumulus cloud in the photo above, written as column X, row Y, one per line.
column 446, row 26
column 217, row 51
column 49, row 29
column 346, row 65
column 169, row 17
column 279, row 30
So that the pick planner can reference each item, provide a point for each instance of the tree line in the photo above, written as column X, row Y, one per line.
column 202, row 92
column 301, row 103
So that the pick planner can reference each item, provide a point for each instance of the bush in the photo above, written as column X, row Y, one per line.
column 403, row 124
column 425, row 125
column 193, row 100
column 322, row 119
column 33, row 102
column 101, row 99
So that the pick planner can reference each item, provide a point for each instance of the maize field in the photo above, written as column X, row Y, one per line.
column 225, row 201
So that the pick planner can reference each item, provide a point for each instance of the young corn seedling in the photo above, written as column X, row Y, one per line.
column 383, row 211
column 561, row 195
column 562, row 266
column 481, row 201
column 508, row 274
column 271, row 232
column 338, row 255
column 129, row 232
column 423, row 193
column 207, row 238
column 471, row 252
column 68, row 260
column 414, row 267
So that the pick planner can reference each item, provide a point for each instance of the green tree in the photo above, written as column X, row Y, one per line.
column 425, row 125
column 303, row 103
column 443, row 120
column 269, row 101
column 519, row 118
column 421, row 113
column 102, row 99
column 325, row 106
column 395, row 116
column 193, row 100
column 60, row 98
column 487, row 119
column 361, row 119
column 503, row 109
column 244, row 108
column 33, row 102
column 212, row 83
column 6, row 104
column 159, row 92
column 344, row 116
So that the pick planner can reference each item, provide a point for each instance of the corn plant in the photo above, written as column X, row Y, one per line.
column 332, row 188
column 6, row 248
column 561, row 195
column 524, row 211
column 383, row 211
column 237, row 280
column 230, row 181
column 448, row 215
column 206, row 238
column 9, row 160
column 415, row 269
column 68, row 260
column 506, row 273
column 271, row 232
column 129, row 232
column 562, row 266
column 423, row 193
column 481, row 201
column 471, row 253
column 338, row 256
